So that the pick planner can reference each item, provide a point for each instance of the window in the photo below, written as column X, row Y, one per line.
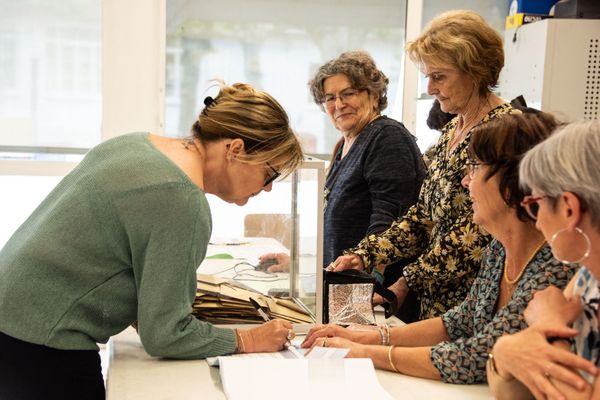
column 50, row 74
column 50, row 102
column 275, row 45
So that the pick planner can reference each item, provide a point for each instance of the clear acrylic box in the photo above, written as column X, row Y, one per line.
column 287, row 220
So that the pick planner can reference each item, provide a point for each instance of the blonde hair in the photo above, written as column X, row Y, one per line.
column 241, row 111
column 464, row 40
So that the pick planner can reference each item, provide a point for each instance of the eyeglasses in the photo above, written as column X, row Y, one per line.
column 271, row 175
column 345, row 96
column 472, row 166
column 530, row 204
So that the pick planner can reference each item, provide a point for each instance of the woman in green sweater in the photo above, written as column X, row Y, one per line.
column 119, row 240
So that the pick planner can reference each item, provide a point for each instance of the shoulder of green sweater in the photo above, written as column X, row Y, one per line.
column 176, row 193
column 130, row 136
column 117, row 142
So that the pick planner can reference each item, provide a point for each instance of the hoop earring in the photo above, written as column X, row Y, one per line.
column 585, row 238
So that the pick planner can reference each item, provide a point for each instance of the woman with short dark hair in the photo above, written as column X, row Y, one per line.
column 559, row 354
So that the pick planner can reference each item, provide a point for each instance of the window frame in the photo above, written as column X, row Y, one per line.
column 133, row 77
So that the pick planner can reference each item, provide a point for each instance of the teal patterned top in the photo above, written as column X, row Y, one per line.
column 476, row 324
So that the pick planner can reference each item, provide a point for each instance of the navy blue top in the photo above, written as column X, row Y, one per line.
column 377, row 180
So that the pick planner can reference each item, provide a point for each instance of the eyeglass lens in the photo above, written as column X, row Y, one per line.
column 271, row 176
column 533, row 209
column 344, row 96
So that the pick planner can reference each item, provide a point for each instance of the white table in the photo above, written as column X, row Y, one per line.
column 133, row 374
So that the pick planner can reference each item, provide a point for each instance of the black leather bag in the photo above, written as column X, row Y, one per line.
column 348, row 298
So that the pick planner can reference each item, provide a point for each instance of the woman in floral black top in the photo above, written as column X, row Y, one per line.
column 462, row 57
column 454, row 347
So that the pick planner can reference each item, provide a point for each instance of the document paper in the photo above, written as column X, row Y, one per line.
column 300, row 379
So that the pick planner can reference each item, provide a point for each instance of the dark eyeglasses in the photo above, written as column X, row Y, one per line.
column 472, row 166
column 271, row 175
column 530, row 204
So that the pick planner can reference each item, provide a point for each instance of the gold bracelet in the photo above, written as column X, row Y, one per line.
column 390, row 358
column 241, row 347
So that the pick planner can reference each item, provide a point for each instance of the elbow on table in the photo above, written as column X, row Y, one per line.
column 155, row 349
column 156, row 346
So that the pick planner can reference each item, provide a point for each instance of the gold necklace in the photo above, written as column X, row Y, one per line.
column 460, row 132
column 513, row 281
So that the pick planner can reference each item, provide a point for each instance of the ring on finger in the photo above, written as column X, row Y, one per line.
column 290, row 334
column 325, row 342
column 547, row 372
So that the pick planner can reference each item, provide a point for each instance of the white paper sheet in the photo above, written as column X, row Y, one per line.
column 316, row 353
column 300, row 379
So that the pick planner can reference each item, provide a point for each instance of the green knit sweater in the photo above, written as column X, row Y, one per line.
column 119, row 239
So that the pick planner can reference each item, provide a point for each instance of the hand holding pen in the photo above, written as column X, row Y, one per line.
column 290, row 332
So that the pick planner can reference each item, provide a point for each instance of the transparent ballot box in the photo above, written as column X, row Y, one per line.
column 283, row 228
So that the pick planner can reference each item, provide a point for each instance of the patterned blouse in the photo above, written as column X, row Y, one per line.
column 587, row 343
column 438, row 229
column 475, row 324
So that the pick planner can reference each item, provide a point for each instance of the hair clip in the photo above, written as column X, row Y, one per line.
column 208, row 101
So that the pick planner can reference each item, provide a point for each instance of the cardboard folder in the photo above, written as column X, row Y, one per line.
column 222, row 301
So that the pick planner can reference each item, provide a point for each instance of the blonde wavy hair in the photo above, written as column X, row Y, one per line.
column 241, row 111
column 464, row 40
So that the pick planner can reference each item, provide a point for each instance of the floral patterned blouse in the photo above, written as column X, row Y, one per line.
column 475, row 324
column 438, row 229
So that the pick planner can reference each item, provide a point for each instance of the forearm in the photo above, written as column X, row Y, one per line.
column 422, row 333
column 413, row 361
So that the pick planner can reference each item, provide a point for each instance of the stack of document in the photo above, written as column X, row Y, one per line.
column 221, row 301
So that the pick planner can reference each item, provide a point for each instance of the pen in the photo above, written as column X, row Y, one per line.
column 264, row 316
column 259, row 309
